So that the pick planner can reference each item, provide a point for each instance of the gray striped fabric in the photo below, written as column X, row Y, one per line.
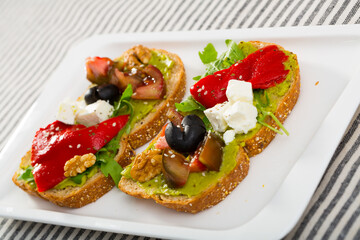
column 36, row 34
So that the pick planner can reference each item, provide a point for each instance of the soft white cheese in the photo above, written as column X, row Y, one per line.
column 229, row 136
column 95, row 113
column 216, row 116
column 67, row 111
column 238, row 115
column 241, row 116
column 239, row 91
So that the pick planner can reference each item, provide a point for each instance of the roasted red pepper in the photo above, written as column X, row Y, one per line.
column 59, row 142
column 263, row 68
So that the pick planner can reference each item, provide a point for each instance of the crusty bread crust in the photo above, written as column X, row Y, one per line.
column 143, row 131
column 208, row 198
column 264, row 136
column 216, row 193
column 73, row 197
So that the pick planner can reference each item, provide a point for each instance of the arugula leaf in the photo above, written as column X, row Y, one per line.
column 197, row 78
column 78, row 178
column 190, row 104
column 27, row 175
column 123, row 106
column 107, row 154
column 126, row 95
column 113, row 168
column 234, row 52
column 209, row 54
column 264, row 114
column 225, row 60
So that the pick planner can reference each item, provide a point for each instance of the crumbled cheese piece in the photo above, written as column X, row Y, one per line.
column 241, row 116
column 67, row 111
column 95, row 113
column 238, row 113
column 216, row 116
column 239, row 91
column 229, row 136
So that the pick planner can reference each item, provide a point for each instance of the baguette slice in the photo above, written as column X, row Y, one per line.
column 253, row 145
column 147, row 128
column 257, row 143
column 143, row 131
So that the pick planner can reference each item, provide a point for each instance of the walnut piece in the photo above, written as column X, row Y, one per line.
column 146, row 165
column 78, row 164
column 137, row 56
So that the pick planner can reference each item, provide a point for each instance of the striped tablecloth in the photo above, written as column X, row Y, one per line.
column 36, row 34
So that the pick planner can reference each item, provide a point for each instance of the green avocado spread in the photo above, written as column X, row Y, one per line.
column 197, row 182
column 162, row 62
column 140, row 109
column 200, row 181
column 78, row 180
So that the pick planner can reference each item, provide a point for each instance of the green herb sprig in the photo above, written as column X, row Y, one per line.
column 107, row 154
column 261, row 106
column 213, row 64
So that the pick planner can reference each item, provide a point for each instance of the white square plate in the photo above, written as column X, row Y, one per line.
column 281, row 180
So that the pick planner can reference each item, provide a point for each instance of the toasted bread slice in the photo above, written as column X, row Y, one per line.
column 147, row 128
column 97, row 185
column 258, row 142
column 209, row 197
column 253, row 145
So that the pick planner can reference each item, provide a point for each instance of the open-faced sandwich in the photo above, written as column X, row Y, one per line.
column 79, row 157
column 234, row 111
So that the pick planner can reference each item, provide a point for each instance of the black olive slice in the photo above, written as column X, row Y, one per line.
column 91, row 95
column 185, row 138
column 108, row 92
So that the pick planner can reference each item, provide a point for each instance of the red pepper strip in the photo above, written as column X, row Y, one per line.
column 263, row 68
column 59, row 142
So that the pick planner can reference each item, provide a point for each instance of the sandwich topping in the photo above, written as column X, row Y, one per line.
column 263, row 69
column 55, row 144
column 78, row 164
